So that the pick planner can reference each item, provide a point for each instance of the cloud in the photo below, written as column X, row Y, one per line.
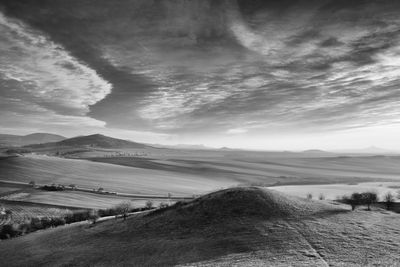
column 209, row 66
column 34, row 68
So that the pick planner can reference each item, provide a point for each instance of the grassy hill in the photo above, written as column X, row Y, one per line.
column 35, row 138
column 92, row 175
column 239, row 226
column 95, row 140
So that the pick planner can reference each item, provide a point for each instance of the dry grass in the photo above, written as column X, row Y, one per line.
column 22, row 212
column 76, row 199
column 241, row 227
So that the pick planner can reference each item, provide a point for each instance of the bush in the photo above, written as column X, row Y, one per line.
column 93, row 216
column 53, row 187
column 149, row 204
column 163, row 205
column 9, row 231
column 36, row 224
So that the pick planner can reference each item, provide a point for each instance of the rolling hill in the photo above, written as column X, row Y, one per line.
column 95, row 141
column 246, row 226
column 35, row 138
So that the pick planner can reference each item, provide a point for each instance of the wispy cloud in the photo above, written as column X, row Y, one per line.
column 35, row 69
column 229, row 67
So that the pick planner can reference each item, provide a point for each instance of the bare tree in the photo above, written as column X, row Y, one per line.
column 389, row 200
column 369, row 198
column 94, row 216
column 149, row 204
column 123, row 208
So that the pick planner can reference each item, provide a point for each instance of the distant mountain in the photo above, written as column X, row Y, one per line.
column 314, row 151
column 95, row 140
column 186, row 146
column 23, row 140
column 368, row 150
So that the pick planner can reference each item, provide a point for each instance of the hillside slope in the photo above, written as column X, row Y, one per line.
column 95, row 140
column 240, row 226
column 35, row 138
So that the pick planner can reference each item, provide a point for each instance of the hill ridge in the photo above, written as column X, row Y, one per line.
column 94, row 140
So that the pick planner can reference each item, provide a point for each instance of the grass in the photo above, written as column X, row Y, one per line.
column 23, row 211
column 92, row 175
column 331, row 191
column 243, row 227
column 76, row 199
column 187, row 173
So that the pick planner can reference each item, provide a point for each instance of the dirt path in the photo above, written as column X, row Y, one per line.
column 315, row 252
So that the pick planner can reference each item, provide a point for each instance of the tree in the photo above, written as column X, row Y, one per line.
column 309, row 196
column 369, row 198
column 72, row 186
column 123, row 208
column 149, row 204
column 389, row 200
column 32, row 183
column 321, row 196
column 354, row 200
column 94, row 216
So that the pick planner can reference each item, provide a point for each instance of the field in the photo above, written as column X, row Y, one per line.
column 332, row 191
column 78, row 199
column 24, row 211
column 92, row 175
column 163, row 172
column 203, row 232
column 195, row 172
column 238, row 227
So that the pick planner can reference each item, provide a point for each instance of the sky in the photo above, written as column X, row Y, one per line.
column 257, row 74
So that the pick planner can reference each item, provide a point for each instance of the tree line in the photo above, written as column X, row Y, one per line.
column 29, row 225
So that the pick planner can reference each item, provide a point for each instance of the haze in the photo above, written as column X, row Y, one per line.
column 249, row 74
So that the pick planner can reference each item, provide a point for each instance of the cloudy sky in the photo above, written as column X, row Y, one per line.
column 257, row 74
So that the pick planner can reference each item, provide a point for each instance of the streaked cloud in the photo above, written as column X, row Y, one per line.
column 37, row 70
column 242, row 68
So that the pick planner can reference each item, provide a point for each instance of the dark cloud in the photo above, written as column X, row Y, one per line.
column 182, row 66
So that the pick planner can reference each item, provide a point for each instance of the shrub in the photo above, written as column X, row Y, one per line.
column 149, row 204
column 93, row 216
column 163, row 205
column 53, row 187
column 8, row 231
column 36, row 224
